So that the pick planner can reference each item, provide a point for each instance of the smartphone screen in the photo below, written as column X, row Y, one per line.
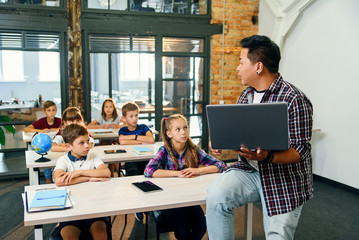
column 115, row 151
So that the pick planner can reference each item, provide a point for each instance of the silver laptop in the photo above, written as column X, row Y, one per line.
column 260, row 125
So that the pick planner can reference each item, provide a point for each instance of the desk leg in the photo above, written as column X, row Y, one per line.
column 248, row 215
column 38, row 232
column 34, row 175
column 31, row 176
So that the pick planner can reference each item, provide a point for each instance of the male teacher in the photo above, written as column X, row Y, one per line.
column 281, row 180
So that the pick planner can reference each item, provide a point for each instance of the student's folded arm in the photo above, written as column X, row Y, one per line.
column 61, row 178
column 30, row 128
column 94, row 125
column 127, row 140
column 146, row 139
column 166, row 173
column 100, row 172
column 207, row 160
column 59, row 147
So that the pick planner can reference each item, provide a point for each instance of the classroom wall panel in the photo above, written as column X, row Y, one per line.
column 319, row 55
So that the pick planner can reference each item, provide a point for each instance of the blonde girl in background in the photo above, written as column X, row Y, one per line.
column 180, row 157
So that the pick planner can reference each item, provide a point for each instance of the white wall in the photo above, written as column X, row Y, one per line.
column 320, row 56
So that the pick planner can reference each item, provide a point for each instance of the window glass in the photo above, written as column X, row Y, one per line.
column 160, row 6
column 107, row 4
column 109, row 43
column 99, row 82
column 133, row 80
column 12, row 65
column 170, row 44
column 199, row 7
column 51, row 3
column 177, row 67
column 175, row 6
column 49, row 66
column 143, row 44
column 10, row 40
column 42, row 41
column 29, row 68
column 24, row 83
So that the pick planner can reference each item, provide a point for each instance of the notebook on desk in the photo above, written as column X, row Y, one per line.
column 262, row 125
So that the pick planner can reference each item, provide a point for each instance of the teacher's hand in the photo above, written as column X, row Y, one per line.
column 258, row 155
column 216, row 152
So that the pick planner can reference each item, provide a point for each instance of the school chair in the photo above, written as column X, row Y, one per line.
column 161, row 225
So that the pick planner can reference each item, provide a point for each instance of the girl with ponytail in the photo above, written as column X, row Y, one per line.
column 180, row 157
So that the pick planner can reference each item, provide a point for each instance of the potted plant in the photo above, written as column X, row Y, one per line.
column 9, row 128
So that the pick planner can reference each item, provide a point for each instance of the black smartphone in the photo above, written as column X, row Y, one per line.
column 115, row 151
column 147, row 186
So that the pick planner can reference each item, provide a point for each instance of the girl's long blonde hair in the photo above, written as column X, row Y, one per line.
column 191, row 158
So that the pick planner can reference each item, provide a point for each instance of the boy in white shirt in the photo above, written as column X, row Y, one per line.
column 76, row 166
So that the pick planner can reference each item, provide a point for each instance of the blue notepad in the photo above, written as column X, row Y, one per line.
column 49, row 198
column 142, row 150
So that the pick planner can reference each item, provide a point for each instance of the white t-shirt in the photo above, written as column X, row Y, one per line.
column 58, row 139
column 102, row 121
column 92, row 162
column 257, row 98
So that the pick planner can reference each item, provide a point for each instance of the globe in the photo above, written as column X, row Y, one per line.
column 41, row 143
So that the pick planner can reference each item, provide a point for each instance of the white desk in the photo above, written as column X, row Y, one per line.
column 34, row 167
column 117, row 196
column 96, row 134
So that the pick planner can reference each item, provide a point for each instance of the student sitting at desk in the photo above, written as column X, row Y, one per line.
column 134, row 133
column 48, row 123
column 109, row 116
column 44, row 125
column 180, row 157
column 109, row 119
column 76, row 166
column 69, row 116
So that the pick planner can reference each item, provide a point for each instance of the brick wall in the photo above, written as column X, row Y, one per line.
column 238, row 24
column 241, row 20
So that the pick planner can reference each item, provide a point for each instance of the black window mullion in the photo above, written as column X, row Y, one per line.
column 194, row 85
column 110, row 75
column 158, row 84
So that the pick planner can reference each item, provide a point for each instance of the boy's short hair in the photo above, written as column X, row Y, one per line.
column 73, row 131
column 48, row 104
column 129, row 106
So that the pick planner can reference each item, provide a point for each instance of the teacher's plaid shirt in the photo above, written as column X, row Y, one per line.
column 286, row 186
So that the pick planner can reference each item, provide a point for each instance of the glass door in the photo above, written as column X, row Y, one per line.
column 124, row 68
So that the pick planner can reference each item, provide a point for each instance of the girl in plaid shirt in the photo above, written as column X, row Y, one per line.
column 180, row 157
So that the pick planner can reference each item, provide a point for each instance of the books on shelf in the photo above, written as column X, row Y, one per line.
column 49, row 199
column 142, row 150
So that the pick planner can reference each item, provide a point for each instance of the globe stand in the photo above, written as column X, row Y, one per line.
column 43, row 159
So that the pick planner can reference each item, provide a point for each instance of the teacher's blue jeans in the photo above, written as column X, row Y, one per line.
column 235, row 188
